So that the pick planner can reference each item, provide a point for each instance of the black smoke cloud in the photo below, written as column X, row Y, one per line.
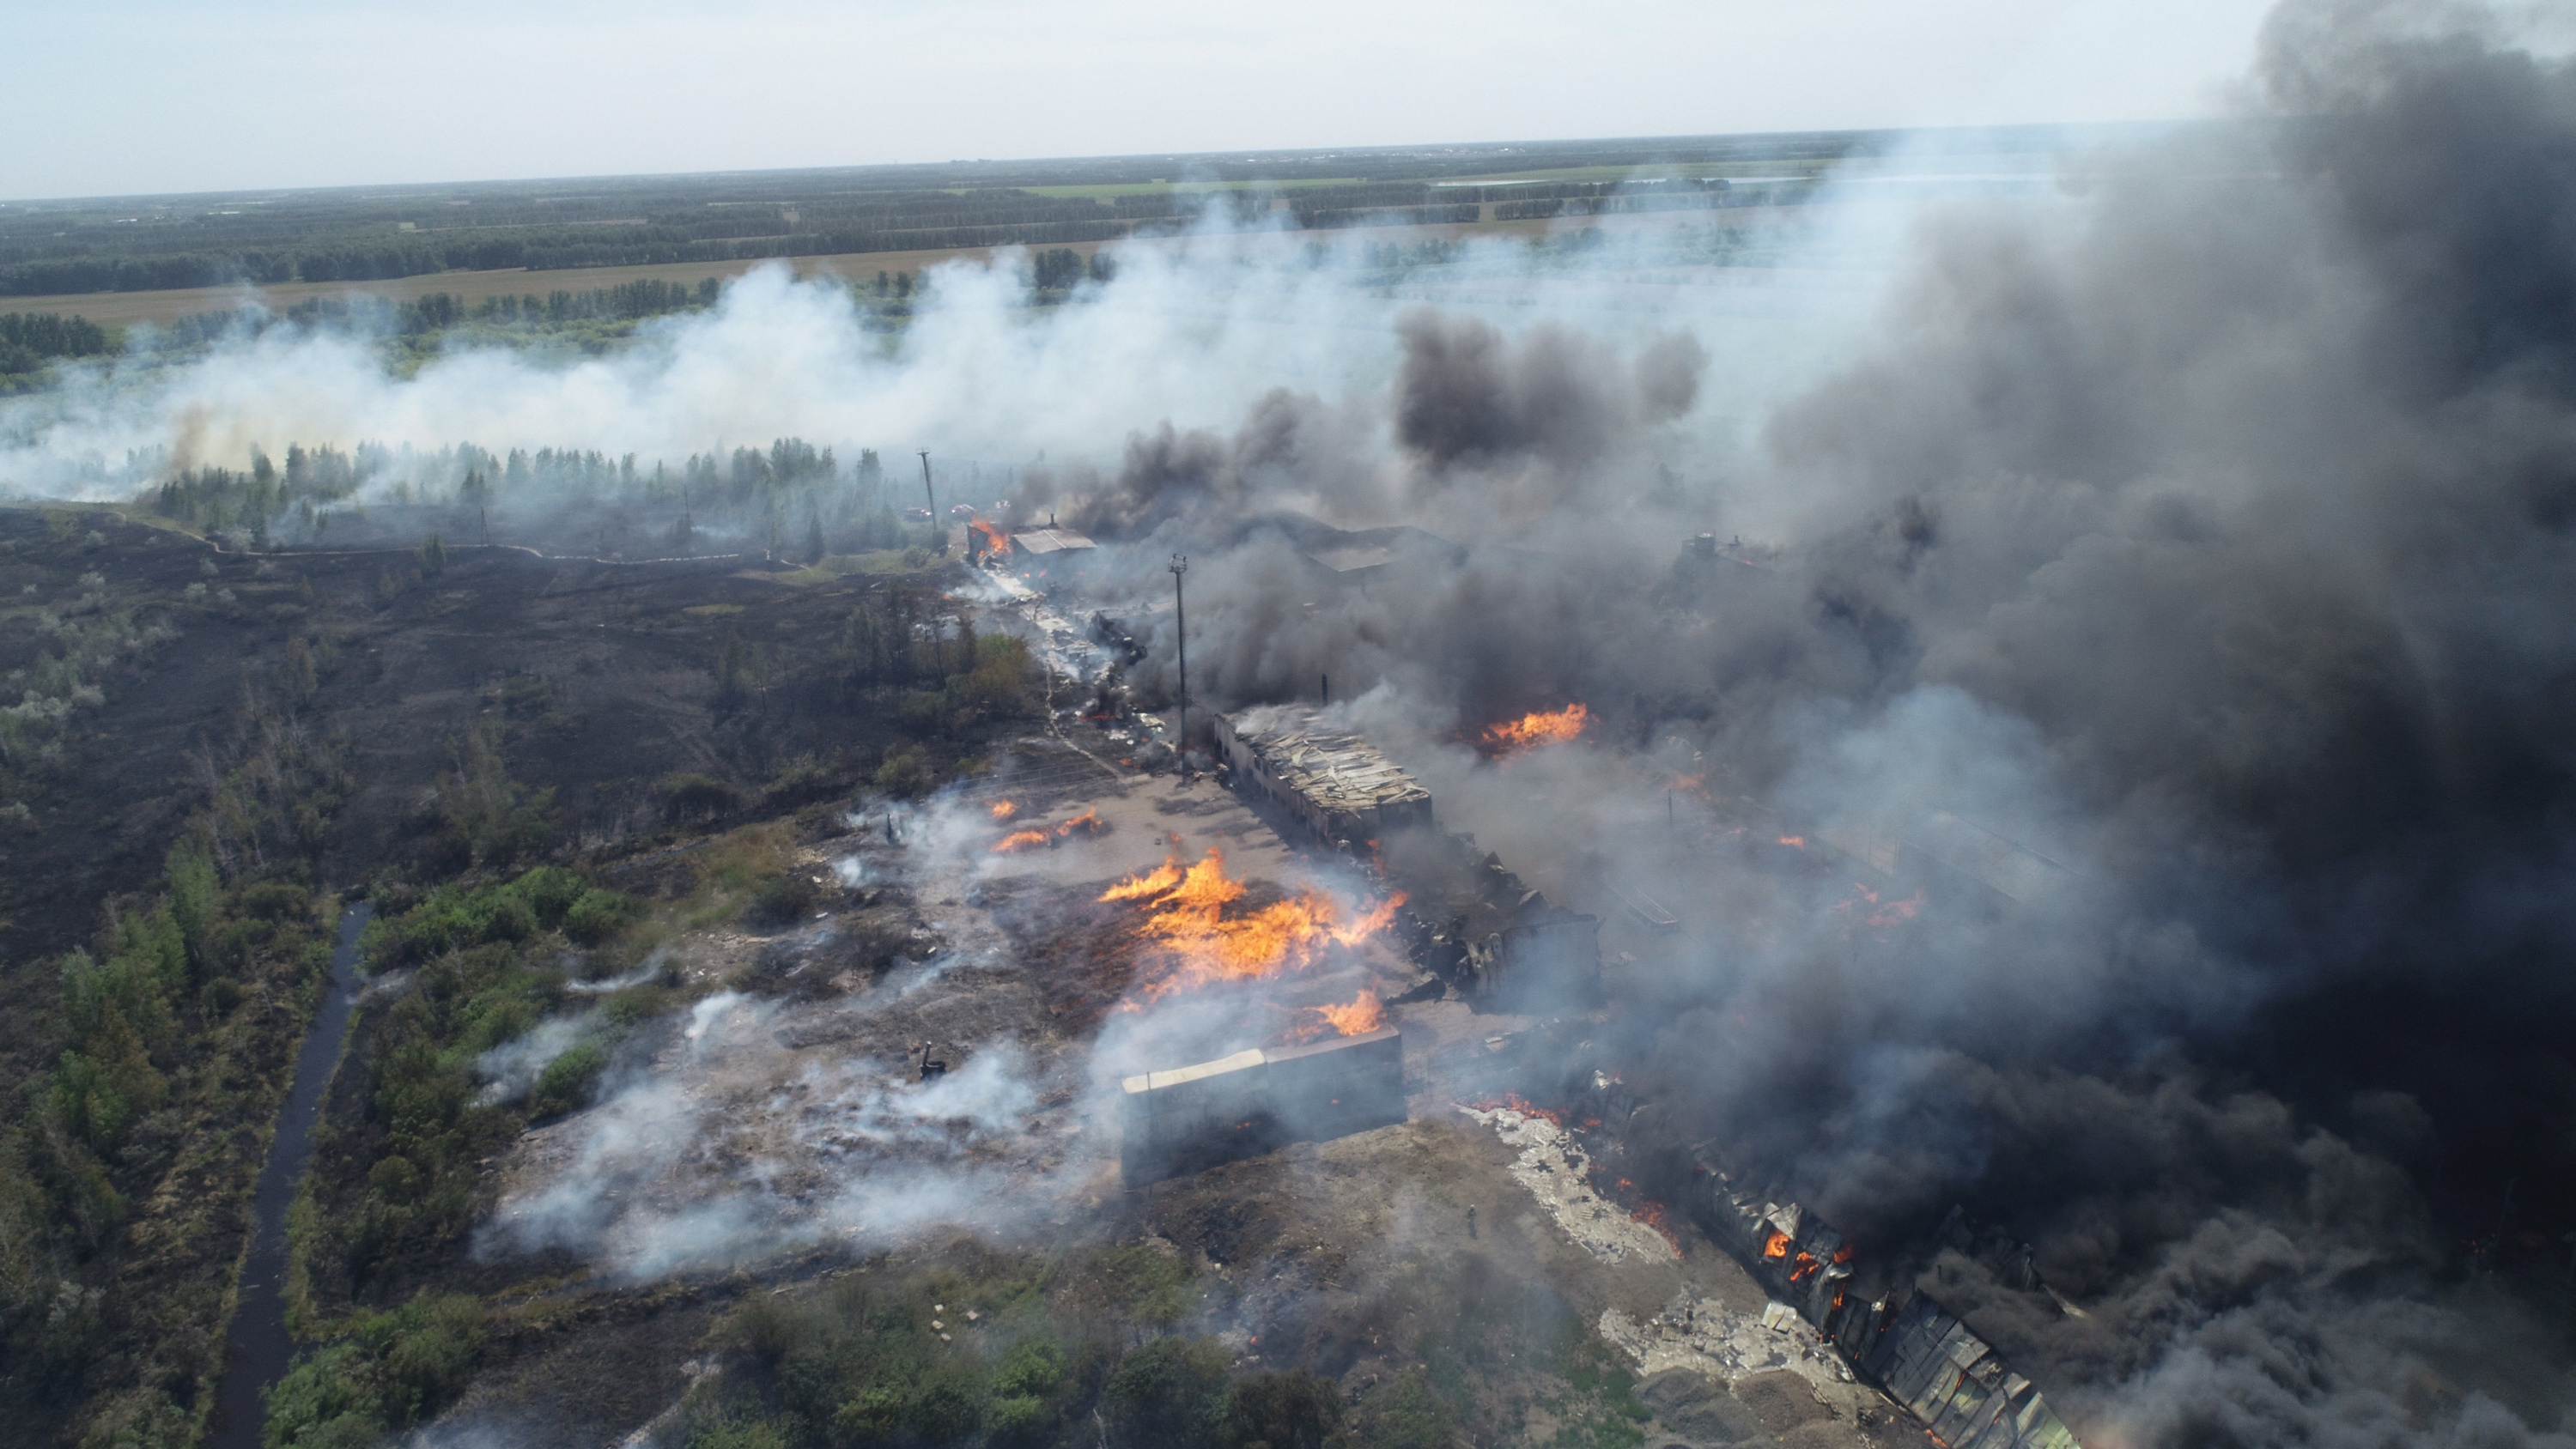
column 2219, row 535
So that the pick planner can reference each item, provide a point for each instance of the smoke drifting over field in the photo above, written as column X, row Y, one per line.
column 2209, row 529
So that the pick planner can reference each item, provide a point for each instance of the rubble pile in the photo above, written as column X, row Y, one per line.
column 1558, row 1173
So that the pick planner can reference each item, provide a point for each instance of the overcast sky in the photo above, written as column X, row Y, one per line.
column 114, row 96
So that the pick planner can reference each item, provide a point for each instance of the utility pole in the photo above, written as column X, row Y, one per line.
column 1181, row 635
column 928, row 501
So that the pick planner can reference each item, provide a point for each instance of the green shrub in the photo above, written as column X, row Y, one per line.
column 566, row 1083
column 689, row 795
column 1407, row 1413
column 394, row 1370
column 1170, row 1394
column 903, row 774
column 1017, row 1420
column 742, row 1434
column 1299, row 1409
column 1034, row 1368
column 597, row 915
column 784, row 899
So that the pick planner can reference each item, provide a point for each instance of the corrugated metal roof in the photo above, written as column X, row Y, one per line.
column 1333, row 767
column 1049, row 540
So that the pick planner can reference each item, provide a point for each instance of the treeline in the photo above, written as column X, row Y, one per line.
column 1062, row 269
column 791, row 498
column 927, row 221
column 222, row 498
column 1389, row 216
column 29, row 340
column 1662, row 200
column 576, row 248
column 125, row 1177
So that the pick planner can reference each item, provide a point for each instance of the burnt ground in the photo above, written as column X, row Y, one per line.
column 1353, row 1257
column 102, row 817
column 599, row 680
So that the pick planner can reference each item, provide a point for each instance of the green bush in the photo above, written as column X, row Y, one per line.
column 689, row 795
column 1407, row 1413
column 742, row 1434
column 1016, row 1420
column 455, row 916
column 904, row 773
column 1170, row 1394
column 566, row 1083
column 785, row 899
column 392, row 1371
column 1034, row 1368
column 598, row 915
column 1294, row 1410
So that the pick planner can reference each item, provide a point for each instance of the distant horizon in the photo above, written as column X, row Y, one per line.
column 1246, row 155
column 153, row 98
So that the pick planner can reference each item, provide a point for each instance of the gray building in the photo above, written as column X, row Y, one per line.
column 1333, row 781
column 1189, row 1117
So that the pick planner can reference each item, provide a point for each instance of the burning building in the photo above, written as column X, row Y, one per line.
column 1334, row 782
column 1488, row 932
column 1876, row 1316
column 1190, row 1117
column 1055, row 552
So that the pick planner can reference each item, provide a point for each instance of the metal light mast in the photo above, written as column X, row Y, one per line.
column 1181, row 634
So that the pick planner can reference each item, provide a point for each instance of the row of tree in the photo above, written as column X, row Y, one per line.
column 422, row 253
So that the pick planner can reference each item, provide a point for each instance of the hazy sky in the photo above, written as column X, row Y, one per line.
column 119, row 96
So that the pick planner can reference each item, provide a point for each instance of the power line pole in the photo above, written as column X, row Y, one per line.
column 927, row 499
column 1181, row 634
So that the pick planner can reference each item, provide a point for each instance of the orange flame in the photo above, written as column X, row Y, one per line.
column 1536, row 729
column 1086, row 823
column 1004, row 809
column 1776, row 1245
column 1364, row 1014
column 1152, row 883
column 1799, row 841
column 1202, row 945
column 995, row 540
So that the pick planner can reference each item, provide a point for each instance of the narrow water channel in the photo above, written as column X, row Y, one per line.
column 257, row 1349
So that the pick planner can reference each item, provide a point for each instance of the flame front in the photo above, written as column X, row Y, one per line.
column 1086, row 823
column 1361, row 1015
column 1004, row 809
column 1536, row 729
column 995, row 540
column 1199, row 944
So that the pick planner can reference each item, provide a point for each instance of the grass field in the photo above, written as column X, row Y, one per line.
column 1163, row 188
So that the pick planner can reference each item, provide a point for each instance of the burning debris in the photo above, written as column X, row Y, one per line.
column 1359, row 1016
column 1534, row 729
column 1196, row 943
column 1483, row 929
column 1087, row 825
